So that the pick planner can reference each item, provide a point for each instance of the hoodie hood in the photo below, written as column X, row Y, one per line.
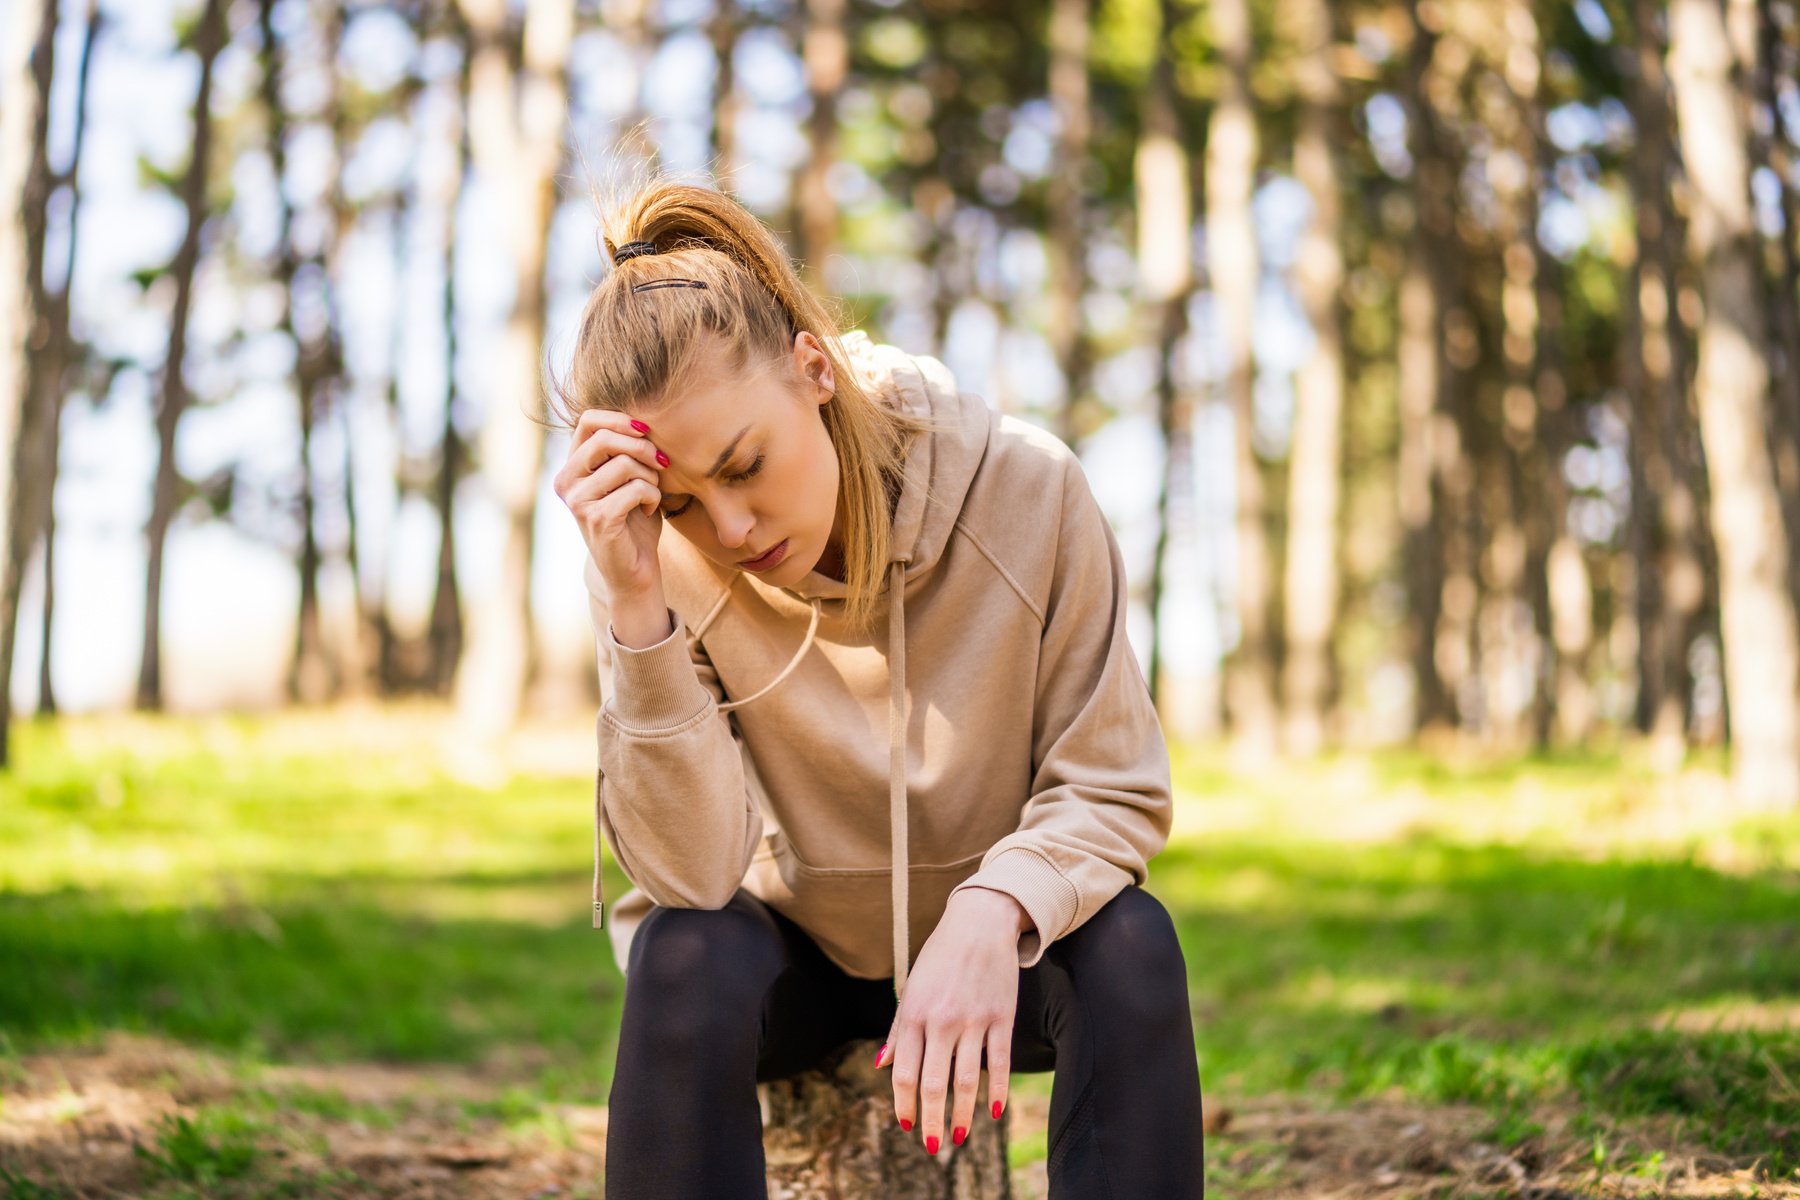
column 941, row 462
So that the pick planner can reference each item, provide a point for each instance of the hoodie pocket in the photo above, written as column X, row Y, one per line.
column 848, row 911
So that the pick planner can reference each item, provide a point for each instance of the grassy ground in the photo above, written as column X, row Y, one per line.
column 338, row 955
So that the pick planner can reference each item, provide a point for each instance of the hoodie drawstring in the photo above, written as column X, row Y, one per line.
column 899, row 867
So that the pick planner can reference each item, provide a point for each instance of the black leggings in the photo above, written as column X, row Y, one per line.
column 718, row 1000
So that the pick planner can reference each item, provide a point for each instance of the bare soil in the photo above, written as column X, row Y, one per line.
column 69, row 1122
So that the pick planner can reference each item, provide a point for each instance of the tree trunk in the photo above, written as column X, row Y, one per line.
column 517, row 146
column 825, row 51
column 1757, row 619
column 210, row 38
column 59, row 355
column 1315, row 465
column 1231, row 151
column 1165, row 237
column 1065, row 193
column 1773, row 148
column 445, row 635
column 723, row 29
column 1670, row 588
column 830, row 1133
column 25, row 173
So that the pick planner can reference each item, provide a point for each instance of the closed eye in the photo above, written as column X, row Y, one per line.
column 749, row 471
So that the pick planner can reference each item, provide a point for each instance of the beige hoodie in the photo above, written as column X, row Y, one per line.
column 1013, row 745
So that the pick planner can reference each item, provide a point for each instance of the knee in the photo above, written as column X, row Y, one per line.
column 1129, row 958
column 684, row 958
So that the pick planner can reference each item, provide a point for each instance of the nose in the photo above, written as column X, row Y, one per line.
column 733, row 528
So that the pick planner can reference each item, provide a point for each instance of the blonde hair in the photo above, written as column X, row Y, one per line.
column 639, row 349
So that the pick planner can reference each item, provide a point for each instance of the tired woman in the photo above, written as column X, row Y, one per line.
column 874, row 748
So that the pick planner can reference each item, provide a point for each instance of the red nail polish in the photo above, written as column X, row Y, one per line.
column 640, row 426
column 879, row 1053
column 996, row 1110
column 931, row 1144
column 956, row 1137
column 662, row 459
column 905, row 1125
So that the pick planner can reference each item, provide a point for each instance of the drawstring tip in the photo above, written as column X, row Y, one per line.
column 599, row 915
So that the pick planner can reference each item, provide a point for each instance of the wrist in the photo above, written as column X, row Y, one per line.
column 1006, row 909
column 640, row 620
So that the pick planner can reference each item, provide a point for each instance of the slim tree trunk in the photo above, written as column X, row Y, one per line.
column 1772, row 147
column 723, row 29
column 1165, row 233
column 1447, row 620
column 825, row 52
column 1315, row 465
column 172, row 397
column 1757, row 620
column 59, row 356
column 25, row 173
column 446, row 631
column 516, row 132
column 1070, row 35
column 1666, row 525
column 1231, row 153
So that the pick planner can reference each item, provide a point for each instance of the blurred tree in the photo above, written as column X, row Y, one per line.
column 518, row 109
column 24, row 172
column 208, row 37
column 1666, row 524
column 1165, row 236
column 1231, row 255
column 1311, row 582
column 1761, row 645
column 63, row 357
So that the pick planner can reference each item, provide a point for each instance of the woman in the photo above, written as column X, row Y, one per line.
column 862, row 555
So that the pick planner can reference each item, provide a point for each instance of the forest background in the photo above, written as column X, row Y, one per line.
column 1437, row 362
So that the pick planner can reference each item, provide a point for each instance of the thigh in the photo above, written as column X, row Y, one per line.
column 1123, row 963
column 814, row 1008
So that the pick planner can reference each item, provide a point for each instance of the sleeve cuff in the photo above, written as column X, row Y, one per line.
column 1045, row 894
column 655, row 687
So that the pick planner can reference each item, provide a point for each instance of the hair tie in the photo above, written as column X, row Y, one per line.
column 632, row 250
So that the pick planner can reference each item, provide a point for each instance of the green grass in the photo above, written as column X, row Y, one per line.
column 1522, row 939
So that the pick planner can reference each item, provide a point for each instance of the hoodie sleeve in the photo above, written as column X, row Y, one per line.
column 1101, row 799
column 672, row 797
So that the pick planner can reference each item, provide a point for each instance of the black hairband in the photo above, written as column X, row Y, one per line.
column 632, row 250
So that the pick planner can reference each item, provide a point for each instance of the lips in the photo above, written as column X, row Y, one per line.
column 768, row 558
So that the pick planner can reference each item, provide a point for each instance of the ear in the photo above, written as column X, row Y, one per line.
column 812, row 363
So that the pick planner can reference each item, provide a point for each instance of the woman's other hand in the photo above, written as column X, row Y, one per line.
column 961, row 997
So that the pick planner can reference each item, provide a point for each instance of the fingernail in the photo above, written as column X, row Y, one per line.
column 640, row 426
column 879, row 1053
column 931, row 1144
column 905, row 1125
column 996, row 1110
column 957, row 1135
column 662, row 459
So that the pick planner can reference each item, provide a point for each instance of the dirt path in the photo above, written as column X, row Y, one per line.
column 69, row 1123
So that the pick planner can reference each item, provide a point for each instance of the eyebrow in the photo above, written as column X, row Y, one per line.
column 719, row 462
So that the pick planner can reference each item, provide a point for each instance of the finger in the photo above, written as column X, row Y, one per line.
column 586, row 452
column 612, row 509
column 603, row 443
column 606, row 418
column 908, row 1051
column 610, row 475
column 934, row 1086
column 999, row 1067
column 966, row 1077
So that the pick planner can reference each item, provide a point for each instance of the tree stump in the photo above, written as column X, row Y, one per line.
column 830, row 1133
